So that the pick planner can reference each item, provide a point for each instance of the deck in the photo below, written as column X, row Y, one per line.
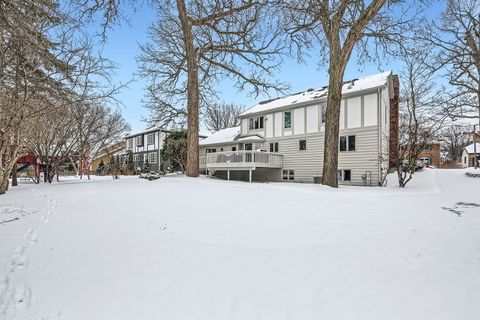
column 241, row 160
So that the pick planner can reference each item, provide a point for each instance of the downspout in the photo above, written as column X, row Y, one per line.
column 380, row 124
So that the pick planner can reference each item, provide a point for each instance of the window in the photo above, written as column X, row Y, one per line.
column 302, row 145
column 248, row 146
column 344, row 175
column 234, row 148
column 427, row 147
column 256, row 123
column 274, row 147
column 152, row 157
column 139, row 141
column 289, row 175
column 211, row 150
column 351, row 143
column 347, row 143
column 221, row 149
column 151, row 138
column 130, row 143
column 324, row 113
column 136, row 157
column 287, row 119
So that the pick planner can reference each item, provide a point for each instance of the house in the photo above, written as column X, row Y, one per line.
column 146, row 145
column 106, row 155
column 468, row 155
column 431, row 154
column 282, row 139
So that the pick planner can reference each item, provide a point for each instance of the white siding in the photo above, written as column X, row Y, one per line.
column 354, row 113
column 244, row 127
column 370, row 110
column 278, row 124
column 342, row 115
column 299, row 121
column 312, row 119
column 269, row 125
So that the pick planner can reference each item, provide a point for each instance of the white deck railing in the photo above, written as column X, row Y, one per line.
column 241, row 159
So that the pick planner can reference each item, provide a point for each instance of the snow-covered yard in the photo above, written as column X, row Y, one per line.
column 181, row 248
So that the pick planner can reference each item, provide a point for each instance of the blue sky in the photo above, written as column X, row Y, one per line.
column 122, row 47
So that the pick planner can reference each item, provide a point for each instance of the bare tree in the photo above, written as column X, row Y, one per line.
column 30, row 72
column 421, row 114
column 218, row 116
column 197, row 43
column 456, row 38
column 455, row 137
column 338, row 27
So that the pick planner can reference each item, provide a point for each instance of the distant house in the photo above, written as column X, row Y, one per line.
column 106, row 155
column 282, row 139
column 431, row 154
column 146, row 145
column 468, row 155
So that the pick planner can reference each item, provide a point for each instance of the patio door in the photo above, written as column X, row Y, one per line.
column 248, row 156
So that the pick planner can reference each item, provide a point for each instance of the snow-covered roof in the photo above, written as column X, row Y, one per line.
column 250, row 139
column 365, row 83
column 223, row 136
column 470, row 148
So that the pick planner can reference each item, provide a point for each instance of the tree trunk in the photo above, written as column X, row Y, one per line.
column 14, row 175
column 330, row 156
column 193, row 100
column 4, row 185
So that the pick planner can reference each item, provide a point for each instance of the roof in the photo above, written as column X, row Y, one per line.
column 155, row 129
column 145, row 132
column 356, row 85
column 223, row 136
column 253, row 138
column 470, row 148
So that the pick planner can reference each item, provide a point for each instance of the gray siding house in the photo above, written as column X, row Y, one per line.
column 282, row 139
column 146, row 145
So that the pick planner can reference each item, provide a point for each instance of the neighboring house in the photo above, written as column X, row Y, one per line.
column 282, row 139
column 106, row 154
column 431, row 154
column 468, row 155
column 146, row 145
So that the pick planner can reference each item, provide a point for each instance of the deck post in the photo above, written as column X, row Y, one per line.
column 228, row 174
column 250, row 175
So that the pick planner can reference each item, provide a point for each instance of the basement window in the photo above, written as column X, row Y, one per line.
column 344, row 175
column 288, row 175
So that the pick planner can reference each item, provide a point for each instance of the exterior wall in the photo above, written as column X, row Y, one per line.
column 309, row 163
column 434, row 153
column 468, row 159
column 142, row 149
column 96, row 162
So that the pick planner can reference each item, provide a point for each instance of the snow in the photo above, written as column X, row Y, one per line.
column 369, row 82
column 200, row 248
column 227, row 135
column 471, row 148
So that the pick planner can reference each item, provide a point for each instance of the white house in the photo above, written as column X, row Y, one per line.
column 468, row 155
column 282, row 139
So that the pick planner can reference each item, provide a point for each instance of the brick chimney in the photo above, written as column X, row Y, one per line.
column 394, row 123
column 476, row 137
